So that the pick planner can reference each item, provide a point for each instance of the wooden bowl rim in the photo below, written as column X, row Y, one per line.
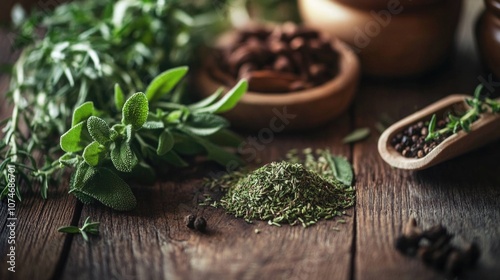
column 349, row 68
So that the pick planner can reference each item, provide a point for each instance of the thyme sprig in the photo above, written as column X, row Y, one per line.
column 478, row 105
column 87, row 228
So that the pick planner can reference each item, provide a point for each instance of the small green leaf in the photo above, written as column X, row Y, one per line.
column 174, row 159
column 135, row 110
column 174, row 116
column 109, row 189
column 99, row 130
column 123, row 157
column 207, row 101
column 341, row 168
column 226, row 138
column 357, row 135
column 432, row 124
column 207, row 120
column 68, row 159
column 228, row 101
column 119, row 97
column 83, row 112
column 215, row 152
column 165, row 143
column 69, row 229
column 94, row 153
column 74, row 140
column 165, row 82
column 153, row 125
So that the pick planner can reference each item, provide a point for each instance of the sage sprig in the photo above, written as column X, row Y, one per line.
column 478, row 105
column 106, row 150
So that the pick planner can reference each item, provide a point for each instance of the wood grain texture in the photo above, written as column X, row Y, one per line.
column 39, row 246
column 152, row 242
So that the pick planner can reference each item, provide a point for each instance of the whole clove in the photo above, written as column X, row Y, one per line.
column 283, row 50
column 433, row 246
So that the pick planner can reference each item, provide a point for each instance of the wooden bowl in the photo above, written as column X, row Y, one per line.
column 392, row 41
column 294, row 110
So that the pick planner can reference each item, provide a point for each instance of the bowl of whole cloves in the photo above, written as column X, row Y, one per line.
column 298, row 77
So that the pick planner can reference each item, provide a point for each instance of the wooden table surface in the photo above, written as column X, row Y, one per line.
column 152, row 241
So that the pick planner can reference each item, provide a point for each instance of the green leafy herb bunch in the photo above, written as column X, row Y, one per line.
column 107, row 150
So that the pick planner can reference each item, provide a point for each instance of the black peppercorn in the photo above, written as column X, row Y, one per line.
column 189, row 220
column 200, row 224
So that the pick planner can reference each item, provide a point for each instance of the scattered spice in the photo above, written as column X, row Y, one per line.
column 433, row 246
column 280, row 59
column 286, row 192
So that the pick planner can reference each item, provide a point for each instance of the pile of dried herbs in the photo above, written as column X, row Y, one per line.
column 293, row 191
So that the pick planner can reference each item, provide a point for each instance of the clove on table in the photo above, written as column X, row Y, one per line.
column 433, row 247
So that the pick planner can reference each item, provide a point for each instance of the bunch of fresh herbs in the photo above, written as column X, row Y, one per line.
column 75, row 54
column 107, row 150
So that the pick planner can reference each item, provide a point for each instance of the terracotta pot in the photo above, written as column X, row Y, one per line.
column 260, row 111
column 488, row 36
column 392, row 38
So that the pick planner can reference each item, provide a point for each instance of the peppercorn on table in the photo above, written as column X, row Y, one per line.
column 153, row 242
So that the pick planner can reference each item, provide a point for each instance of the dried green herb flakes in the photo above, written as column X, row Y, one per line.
column 285, row 192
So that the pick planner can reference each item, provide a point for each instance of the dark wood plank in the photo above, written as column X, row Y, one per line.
column 462, row 194
column 39, row 246
column 153, row 243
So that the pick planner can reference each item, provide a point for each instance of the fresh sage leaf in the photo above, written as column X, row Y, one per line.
column 94, row 153
column 357, row 135
column 110, row 190
column 119, row 97
column 228, row 101
column 83, row 173
column 341, row 169
column 83, row 112
column 165, row 82
column 99, row 130
column 74, row 140
column 165, row 143
column 135, row 110
column 123, row 157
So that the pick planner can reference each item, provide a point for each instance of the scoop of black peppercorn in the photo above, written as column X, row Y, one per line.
column 411, row 141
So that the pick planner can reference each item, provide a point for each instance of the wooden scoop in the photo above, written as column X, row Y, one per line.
column 484, row 130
